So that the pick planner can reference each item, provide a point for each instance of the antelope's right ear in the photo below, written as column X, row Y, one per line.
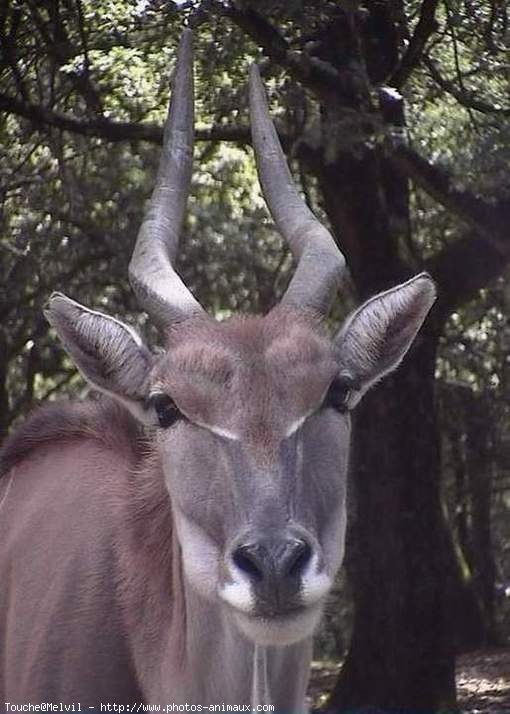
column 108, row 353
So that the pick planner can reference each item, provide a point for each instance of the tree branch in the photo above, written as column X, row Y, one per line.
column 99, row 127
column 259, row 30
column 8, row 51
column 465, row 98
column 112, row 130
column 463, row 268
column 488, row 219
column 314, row 73
column 58, row 47
column 235, row 134
column 426, row 26
column 65, row 379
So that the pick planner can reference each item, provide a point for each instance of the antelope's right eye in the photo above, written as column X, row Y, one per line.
column 166, row 410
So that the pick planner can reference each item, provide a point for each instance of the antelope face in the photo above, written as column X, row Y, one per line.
column 251, row 417
column 255, row 461
column 255, row 452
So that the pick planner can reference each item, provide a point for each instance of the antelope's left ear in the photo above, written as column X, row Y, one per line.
column 375, row 338
column 108, row 353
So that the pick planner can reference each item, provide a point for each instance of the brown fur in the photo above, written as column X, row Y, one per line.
column 148, row 532
column 243, row 340
column 141, row 569
column 255, row 375
column 117, row 542
column 100, row 419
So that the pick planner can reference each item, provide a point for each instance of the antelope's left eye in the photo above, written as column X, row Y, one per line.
column 338, row 393
column 166, row 409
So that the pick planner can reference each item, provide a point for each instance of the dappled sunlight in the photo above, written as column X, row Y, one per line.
column 483, row 681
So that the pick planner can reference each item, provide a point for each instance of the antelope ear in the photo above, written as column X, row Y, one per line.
column 108, row 353
column 375, row 338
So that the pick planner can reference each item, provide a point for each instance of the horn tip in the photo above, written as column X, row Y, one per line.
column 256, row 87
column 185, row 43
column 255, row 74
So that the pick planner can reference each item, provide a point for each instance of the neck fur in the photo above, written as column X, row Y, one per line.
column 186, row 649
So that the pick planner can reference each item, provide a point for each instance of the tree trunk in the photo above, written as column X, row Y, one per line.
column 404, row 567
column 479, row 466
column 460, row 482
column 470, row 621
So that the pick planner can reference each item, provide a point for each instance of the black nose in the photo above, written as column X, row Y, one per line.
column 273, row 559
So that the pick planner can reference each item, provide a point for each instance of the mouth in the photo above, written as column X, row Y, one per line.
column 281, row 627
column 278, row 613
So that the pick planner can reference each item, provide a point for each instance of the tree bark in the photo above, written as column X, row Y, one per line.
column 404, row 567
column 406, row 576
column 479, row 467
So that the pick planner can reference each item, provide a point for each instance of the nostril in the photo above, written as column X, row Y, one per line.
column 273, row 559
column 298, row 557
column 246, row 559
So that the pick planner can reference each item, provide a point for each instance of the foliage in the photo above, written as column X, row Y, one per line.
column 84, row 88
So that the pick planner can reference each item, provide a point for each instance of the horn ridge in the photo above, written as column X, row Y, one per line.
column 321, row 264
column 152, row 275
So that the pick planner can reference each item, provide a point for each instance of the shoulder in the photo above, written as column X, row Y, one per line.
column 99, row 420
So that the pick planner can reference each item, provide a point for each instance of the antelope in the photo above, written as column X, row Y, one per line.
column 173, row 540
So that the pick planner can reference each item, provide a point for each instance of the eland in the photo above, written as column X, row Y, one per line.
column 173, row 540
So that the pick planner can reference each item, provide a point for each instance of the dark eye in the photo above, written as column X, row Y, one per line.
column 166, row 409
column 338, row 393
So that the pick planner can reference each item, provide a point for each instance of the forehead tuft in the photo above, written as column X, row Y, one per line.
column 253, row 377
column 199, row 358
column 297, row 346
column 218, row 349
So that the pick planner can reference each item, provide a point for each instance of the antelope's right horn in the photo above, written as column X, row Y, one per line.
column 151, row 270
column 320, row 262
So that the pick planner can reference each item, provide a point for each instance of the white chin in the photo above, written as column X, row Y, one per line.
column 279, row 631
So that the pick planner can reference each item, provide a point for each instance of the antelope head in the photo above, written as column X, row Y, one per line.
column 251, row 416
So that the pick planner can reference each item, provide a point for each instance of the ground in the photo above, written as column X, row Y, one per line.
column 483, row 681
